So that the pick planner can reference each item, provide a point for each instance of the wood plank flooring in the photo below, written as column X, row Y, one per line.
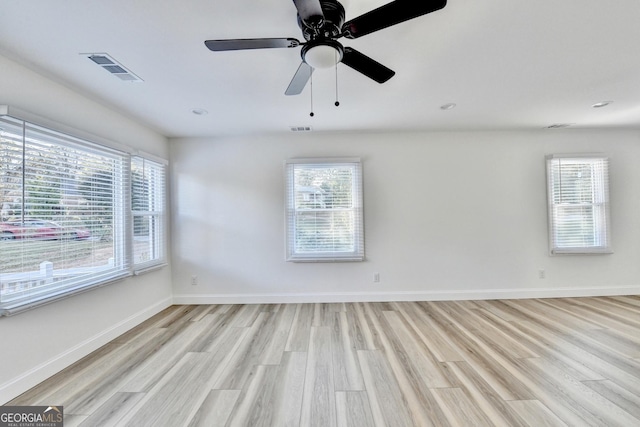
column 545, row 362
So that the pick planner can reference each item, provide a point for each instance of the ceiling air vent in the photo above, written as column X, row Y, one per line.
column 301, row 129
column 112, row 66
column 559, row 125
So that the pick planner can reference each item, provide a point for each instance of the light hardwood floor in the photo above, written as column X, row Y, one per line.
column 545, row 362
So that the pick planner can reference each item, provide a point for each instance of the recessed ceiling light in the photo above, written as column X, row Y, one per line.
column 601, row 104
column 199, row 111
column 449, row 106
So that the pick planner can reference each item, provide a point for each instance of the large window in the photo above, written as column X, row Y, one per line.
column 578, row 190
column 324, row 210
column 66, row 215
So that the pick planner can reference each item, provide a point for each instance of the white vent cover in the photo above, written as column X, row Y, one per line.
column 114, row 67
column 559, row 125
column 301, row 128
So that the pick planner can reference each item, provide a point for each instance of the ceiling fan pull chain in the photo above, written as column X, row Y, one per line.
column 337, row 103
column 311, row 89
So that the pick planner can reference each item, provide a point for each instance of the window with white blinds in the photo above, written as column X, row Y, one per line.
column 147, row 207
column 324, row 210
column 578, row 200
column 66, row 215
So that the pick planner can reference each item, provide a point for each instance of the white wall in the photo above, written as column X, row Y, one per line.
column 40, row 342
column 447, row 215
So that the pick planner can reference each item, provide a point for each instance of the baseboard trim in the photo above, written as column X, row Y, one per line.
column 15, row 387
column 455, row 295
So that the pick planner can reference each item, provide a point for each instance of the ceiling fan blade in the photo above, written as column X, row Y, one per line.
column 367, row 66
column 242, row 44
column 300, row 79
column 390, row 14
column 308, row 9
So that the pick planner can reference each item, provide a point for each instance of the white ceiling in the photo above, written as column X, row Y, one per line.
column 507, row 64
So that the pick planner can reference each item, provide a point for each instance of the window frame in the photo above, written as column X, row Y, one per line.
column 358, row 253
column 600, row 205
column 157, row 184
column 121, row 265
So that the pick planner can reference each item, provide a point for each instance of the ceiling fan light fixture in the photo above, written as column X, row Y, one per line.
column 325, row 54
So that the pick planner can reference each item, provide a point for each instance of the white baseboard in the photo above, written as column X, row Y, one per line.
column 15, row 387
column 485, row 294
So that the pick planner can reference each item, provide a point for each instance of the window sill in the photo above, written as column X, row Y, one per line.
column 315, row 260
column 560, row 252
column 149, row 269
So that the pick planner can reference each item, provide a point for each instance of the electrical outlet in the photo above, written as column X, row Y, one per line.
column 541, row 274
column 376, row 277
column 194, row 280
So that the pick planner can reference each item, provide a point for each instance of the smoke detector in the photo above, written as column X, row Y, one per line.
column 114, row 67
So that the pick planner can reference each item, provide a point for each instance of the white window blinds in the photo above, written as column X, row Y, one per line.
column 578, row 193
column 148, row 211
column 63, row 208
column 324, row 210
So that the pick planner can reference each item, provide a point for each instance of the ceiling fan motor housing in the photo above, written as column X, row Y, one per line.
column 327, row 28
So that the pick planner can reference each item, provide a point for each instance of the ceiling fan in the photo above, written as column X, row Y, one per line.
column 322, row 24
